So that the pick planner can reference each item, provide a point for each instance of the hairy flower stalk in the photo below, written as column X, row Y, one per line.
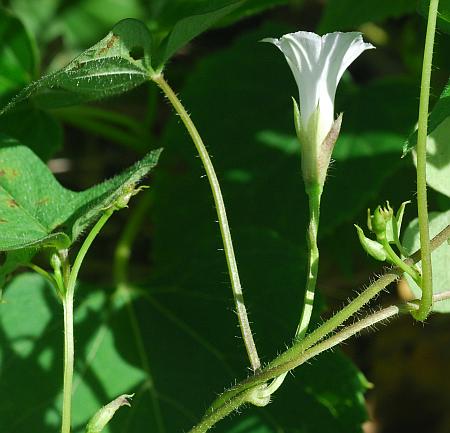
column 318, row 63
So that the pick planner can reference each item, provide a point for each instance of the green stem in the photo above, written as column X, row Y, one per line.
column 68, row 321
column 397, row 261
column 314, row 195
column 68, row 363
column 85, row 247
column 427, row 282
column 212, row 417
column 295, row 355
column 222, row 218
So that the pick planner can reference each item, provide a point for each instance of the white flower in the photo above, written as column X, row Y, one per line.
column 318, row 64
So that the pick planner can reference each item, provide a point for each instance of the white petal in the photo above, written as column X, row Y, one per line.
column 339, row 50
column 302, row 52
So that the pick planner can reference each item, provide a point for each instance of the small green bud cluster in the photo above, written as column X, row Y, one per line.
column 378, row 222
column 386, row 226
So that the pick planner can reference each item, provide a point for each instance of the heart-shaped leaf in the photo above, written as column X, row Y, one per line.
column 37, row 211
column 116, row 64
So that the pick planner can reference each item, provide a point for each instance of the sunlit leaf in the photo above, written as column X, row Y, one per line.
column 116, row 64
column 440, row 258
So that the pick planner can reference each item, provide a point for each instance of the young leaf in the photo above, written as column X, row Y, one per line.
column 440, row 112
column 18, row 61
column 188, row 28
column 36, row 211
column 440, row 258
column 116, row 64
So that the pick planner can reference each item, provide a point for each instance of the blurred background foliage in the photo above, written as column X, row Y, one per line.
column 163, row 325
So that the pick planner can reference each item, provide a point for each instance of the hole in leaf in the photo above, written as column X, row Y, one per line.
column 137, row 53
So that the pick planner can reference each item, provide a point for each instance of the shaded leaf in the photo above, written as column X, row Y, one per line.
column 18, row 58
column 36, row 211
column 348, row 14
column 266, row 206
column 440, row 258
column 116, row 64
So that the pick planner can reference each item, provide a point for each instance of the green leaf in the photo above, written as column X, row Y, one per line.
column 349, row 14
column 31, row 356
column 116, row 64
column 18, row 58
column 36, row 211
column 440, row 258
column 438, row 158
column 443, row 19
column 189, row 27
column 440, row 112
column 265, row 200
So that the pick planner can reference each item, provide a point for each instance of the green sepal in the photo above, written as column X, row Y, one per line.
column 104, row 415
column 394, row 226
column 371, row 247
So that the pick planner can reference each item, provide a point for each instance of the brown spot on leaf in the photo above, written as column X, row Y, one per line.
column 9, row 173
column 42, row 201
column 3, row 221
column 11, row 202
column 109, row 43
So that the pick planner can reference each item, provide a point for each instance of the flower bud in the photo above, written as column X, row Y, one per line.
column 104, row 415
column 379, row 220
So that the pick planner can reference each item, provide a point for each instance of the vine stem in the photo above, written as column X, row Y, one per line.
column 69, row 346
column 427, row 282
column 222, row 218
column 312, row 345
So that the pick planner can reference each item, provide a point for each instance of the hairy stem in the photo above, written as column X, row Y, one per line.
column 68, row 321
column 84, row 249
column 399, row 262
column 427, row 282
column 309, row 347
column 222, row 218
